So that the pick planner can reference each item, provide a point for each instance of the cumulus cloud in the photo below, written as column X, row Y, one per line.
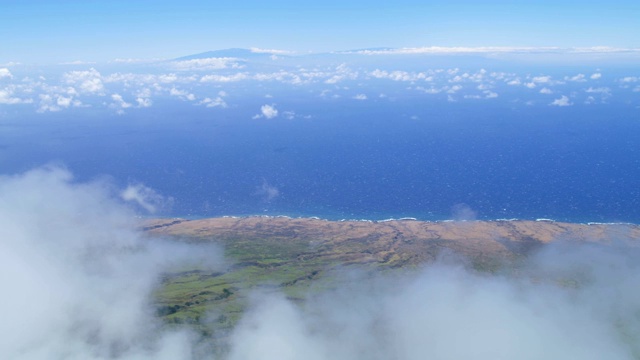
column 215, row 102
column 119, row 104
column 224, row 78
column 267, row 111
column 182, row 94
column 342, row 72
column 78, row 277
column 56, row 102
column 89, row 81
column 7, row 97
column 5, row 74
column 595, row 76
column 563, row 101
column 360, row 97
column 541, row 79
column 454, row 89
column 546, row 91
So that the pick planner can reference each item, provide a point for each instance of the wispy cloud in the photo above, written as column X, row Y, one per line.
column 207, row 64
column 271, row 51
column 562, row 101
column 495, row 49
column 87, row 276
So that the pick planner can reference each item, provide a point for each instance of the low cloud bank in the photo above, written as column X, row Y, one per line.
column 76, row 278
column 569, row 302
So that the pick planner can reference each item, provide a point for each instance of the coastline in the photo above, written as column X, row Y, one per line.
column 390, row 219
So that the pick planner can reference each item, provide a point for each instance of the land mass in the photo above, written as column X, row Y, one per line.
column 300, row 256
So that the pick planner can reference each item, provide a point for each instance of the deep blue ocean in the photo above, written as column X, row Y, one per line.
column 369, row 160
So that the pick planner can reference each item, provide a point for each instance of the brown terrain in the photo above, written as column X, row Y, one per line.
column 394, row 242
column 299, row 257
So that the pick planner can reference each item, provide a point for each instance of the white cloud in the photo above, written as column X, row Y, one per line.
column 7, row 97
column 144, row 102
column 629, row 79
column 541, row 79
column 599, row 90
column 207, row 64
column 430, row 90
column 145, row 197
column 267, row 111
column 70, row 254
column 5, row 73
column 398, row 75
column 546, row 91
column 342, row 72
column 360, row 97
column 576, row 78
column 224, row 78
column 449, row 312
column 216, row 102
column 56, row 102
column 289, row 115
column 271, row 51
column 563, row 101
column 78, row 62
column 89, row 81
column 119, row 104
column 135, row 61
column 514, row 82
column 182, row 94
column 530, row 85
column 490, row 94
column 595, row 76
column 454, row 89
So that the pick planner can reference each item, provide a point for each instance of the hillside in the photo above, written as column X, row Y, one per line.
column 303, row 256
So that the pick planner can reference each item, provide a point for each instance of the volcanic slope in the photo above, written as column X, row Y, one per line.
column 302, row 256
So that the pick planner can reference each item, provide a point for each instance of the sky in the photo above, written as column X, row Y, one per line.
column 37, row 31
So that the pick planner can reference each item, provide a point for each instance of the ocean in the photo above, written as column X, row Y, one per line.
column 344, row 159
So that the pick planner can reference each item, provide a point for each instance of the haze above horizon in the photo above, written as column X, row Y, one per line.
column 46, row 32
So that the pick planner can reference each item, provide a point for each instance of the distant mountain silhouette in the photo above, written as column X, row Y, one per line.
column 233, row 53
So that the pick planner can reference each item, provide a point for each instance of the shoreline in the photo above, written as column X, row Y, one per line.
column 381, row 221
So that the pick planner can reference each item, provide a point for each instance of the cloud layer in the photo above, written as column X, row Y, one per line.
column 129, row 87
column 77, row 277
column 448, row 312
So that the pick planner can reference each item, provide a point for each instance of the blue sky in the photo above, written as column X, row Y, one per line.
column 56, row 31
